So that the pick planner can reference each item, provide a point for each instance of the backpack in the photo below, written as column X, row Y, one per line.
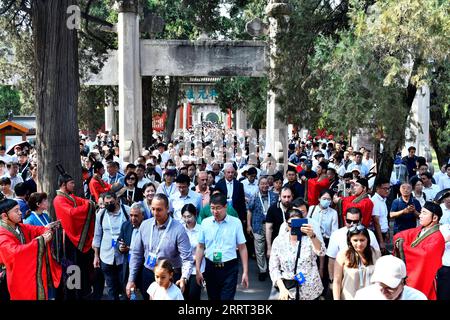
column 102, row 215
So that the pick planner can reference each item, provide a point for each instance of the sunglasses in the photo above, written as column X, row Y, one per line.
column 131, row 178
column 349, row 221
column 358, row 227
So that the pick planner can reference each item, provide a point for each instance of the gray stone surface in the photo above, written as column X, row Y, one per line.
column 203, row 58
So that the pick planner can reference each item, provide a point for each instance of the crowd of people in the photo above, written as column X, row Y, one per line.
column 191, row 213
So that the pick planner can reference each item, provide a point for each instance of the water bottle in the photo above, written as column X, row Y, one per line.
column 133, row 294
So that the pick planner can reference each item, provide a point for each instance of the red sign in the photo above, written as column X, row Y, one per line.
column 159, row 122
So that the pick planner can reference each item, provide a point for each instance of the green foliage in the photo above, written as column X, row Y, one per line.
column 309, row 20
column 16, row 62
column 9, row 101
column 364, row 75
column 91, row 105
column 249, row 94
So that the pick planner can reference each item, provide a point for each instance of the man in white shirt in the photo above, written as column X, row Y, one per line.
column 440, row 173
column 338, row 239
column 183, row 196
column 142, row 180
column 165, row 155
column 429, row 187
column 389, row 277
column 443, row 274
column 380, row 212
column 12, row 174
column 251, row 183
column 444, row 180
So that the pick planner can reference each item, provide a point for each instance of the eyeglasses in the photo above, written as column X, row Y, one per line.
column 131, row 178
column 349, row 221
column 358, row 227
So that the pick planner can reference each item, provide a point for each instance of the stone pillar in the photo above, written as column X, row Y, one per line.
column 241, row 120
column 177, row 118
column 110, row 119
column 185, row 115
column 276, row 137
column 130, row 84
column 418, row 134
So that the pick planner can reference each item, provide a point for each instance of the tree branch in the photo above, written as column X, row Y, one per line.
column 8, row 6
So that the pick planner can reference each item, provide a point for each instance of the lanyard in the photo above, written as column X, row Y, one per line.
column 162, row 238
column 262, row 202
column 147, row 209
column 39, row 219
column 110, row 225
column 165, row 190
column 283, row 214
column 132, row 197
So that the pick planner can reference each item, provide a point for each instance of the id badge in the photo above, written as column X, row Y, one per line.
column 113, row 243
column 217, row 257
column 300, row 278
column 151, row 260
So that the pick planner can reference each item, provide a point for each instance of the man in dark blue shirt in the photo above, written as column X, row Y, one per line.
column 405, row 210
column 298, row 190
column 410, row 161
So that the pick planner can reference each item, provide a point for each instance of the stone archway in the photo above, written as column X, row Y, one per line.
column 212, row 116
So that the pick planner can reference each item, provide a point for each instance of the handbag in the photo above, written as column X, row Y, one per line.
column 290, row 284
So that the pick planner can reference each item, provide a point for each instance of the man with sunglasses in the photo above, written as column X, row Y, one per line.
column 389, row 277
column 422, row 248
column 338, row 239
column 380, row 212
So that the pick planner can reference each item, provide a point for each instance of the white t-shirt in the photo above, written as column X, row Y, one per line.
column 338, row 242
column 373, row 292
column 445, row 230
column 159, row 293
column 380, row 210
column 431, row 191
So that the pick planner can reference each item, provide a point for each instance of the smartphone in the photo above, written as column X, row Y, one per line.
column 296, row 224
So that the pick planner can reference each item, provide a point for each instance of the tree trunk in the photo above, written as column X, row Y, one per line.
column 57, row 85
column 395, row 138
column 147, row 129
column 441, row 151
column 172, row 106
column 438, row 122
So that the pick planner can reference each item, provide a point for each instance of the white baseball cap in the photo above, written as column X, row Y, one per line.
column 389, row 270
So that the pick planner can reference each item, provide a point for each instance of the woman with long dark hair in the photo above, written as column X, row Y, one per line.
column 189, row 215
column 132, row 193
column 354, row 265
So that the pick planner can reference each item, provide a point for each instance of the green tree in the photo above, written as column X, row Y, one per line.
column 9, row 101
column 370, row 75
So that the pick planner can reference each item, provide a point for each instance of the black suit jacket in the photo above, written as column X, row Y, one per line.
column 238, row 199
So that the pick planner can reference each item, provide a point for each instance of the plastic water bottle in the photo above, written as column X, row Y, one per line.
column 133, row 294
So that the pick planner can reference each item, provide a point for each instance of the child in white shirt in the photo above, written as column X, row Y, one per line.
column 163, row 288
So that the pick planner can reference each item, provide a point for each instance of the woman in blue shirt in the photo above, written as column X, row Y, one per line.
column 38, row 216
column 38, row 204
